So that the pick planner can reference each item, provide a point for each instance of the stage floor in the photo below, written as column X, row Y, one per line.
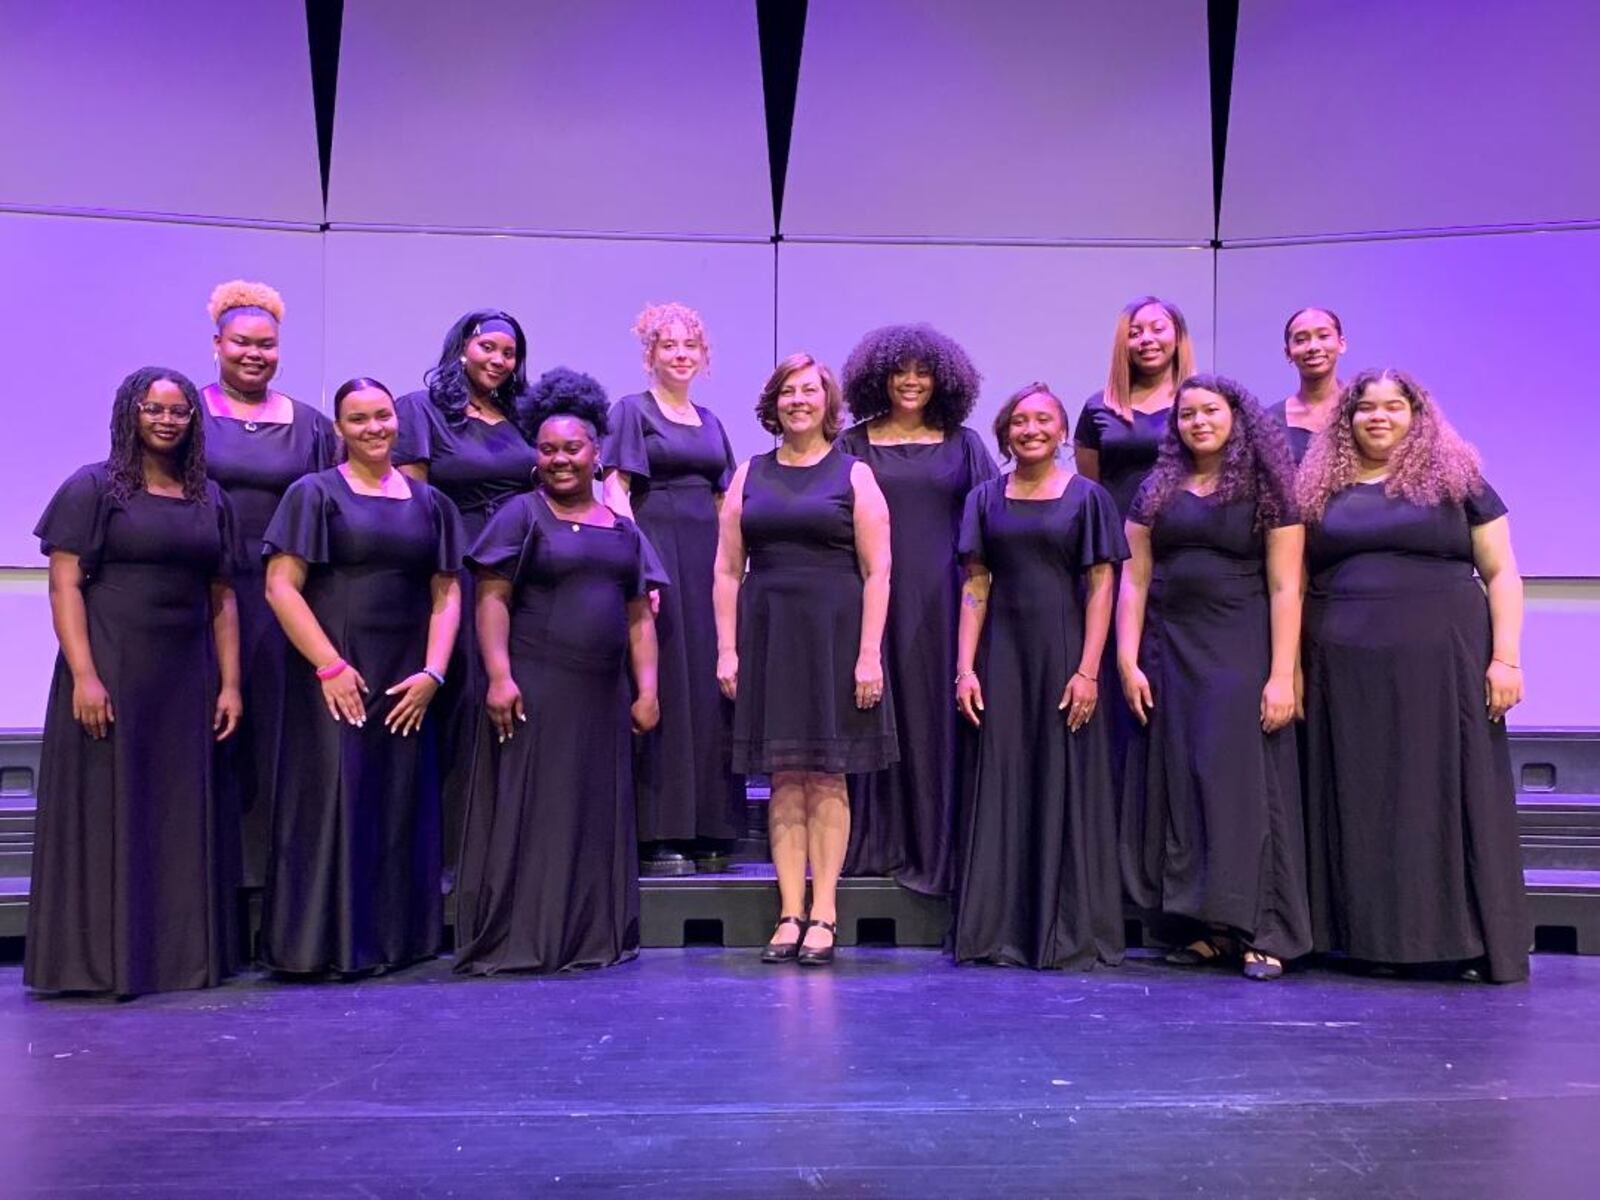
column 701, row 1072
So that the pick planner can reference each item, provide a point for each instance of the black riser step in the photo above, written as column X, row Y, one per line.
column 1556, row 761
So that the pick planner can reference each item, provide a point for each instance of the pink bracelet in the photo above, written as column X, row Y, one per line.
column 332, row 670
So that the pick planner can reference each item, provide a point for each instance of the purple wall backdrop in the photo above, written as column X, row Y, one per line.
column 1067, row 130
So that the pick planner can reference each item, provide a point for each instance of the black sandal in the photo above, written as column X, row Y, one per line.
column 1262, row 966
column 781, row 952
column 824, row 956
column 1207, row 951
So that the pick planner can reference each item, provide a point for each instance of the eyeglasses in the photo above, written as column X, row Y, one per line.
column 181, row 415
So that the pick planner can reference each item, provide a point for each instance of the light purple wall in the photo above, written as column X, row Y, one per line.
column 144, row 108
column 1022, row 119
column 1376, row 115
column 604, row 115
column 84, row 302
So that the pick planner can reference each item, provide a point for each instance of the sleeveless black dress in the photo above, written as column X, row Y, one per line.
column 1411, row 818
column 800, row 626
column 1038, row 884
column 902, row 819
column 549, row 866
column 353, row 879
column 1211, row 824
column 676, row 471
column 255, row 462
column 479, row 467
column 131, row 890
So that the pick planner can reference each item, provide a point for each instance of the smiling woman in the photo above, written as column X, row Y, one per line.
column 140, row 550
column 362, row 574
column 258, row 442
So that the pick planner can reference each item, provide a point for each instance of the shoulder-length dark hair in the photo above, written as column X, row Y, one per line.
column 1432, row 464
column 125, row 463
column 1256, row 462
column 767, row 402
column 447, row 379
column 887, row 350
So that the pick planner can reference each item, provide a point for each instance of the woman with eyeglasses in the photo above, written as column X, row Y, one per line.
column 362, row 572
column 130, row 892
column 258, row 442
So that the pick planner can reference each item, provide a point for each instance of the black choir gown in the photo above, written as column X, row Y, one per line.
column 681, row 768
column 549, row 870
column 1212, row 827
column 902, row 819
column 1299, row 439
column 353, row 877
column 255, row 462
column 800, row 627
column 1127, row 449
column 1410, row 803
column 1038, row 883
column 479, row 467
column 131, row 890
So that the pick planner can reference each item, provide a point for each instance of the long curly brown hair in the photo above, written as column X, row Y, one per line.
column 1431, row 465
column 1256, row 462
column 125, row 463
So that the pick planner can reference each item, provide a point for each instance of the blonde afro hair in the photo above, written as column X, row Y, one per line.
column 649, row 325
column 242, row 293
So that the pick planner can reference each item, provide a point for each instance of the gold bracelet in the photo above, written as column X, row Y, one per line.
column 960, row 675
column 1504, row 663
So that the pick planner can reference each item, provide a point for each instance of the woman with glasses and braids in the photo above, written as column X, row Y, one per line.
column 258, row 442
column 549, row 866
column 459, row 433
column 363, row 572
column 130, row 891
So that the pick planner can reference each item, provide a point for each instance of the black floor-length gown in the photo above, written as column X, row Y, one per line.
column 902, row 819
column 1212, row 827
column 353, row 878
column 681, row 768
column 130, row 890
column 800, row 626
column 1128, row 449
column 1410, row 803
column 479, row 467
column 1299, row 439
column 1038, row 883
column 549, row 869
column 255, row 462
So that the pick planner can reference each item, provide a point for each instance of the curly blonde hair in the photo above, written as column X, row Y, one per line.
column 1431, row 465
column 243, row 293
column 649, row 325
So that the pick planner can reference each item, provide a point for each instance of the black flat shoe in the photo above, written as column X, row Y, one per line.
column 781, row 952
column 822, row 957
column 663, row 860
column 1209, row 951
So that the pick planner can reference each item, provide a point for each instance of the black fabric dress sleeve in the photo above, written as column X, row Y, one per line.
column 500, row 546
column 300, row 525
column 1100, row 536
column 624, row 446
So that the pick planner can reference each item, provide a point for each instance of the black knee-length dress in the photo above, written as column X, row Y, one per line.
column 902, row 818
column 800, row 626
column 479, row 467
column 353, row 878
column 1038, row 883
column 685, row 786
column 255, row 462
column 130, row 890
column 1211, row 826
column 549, row 870
column 1410, row 803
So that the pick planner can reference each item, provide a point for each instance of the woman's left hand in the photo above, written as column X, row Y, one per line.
column 1502, row 689
column 1079, row 700
column 415, row 691
column 1277, row 704
column 646, row 713
column 869, row 680
column 230, row 710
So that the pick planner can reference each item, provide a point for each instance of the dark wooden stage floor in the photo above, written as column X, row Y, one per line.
column 700, row 1072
